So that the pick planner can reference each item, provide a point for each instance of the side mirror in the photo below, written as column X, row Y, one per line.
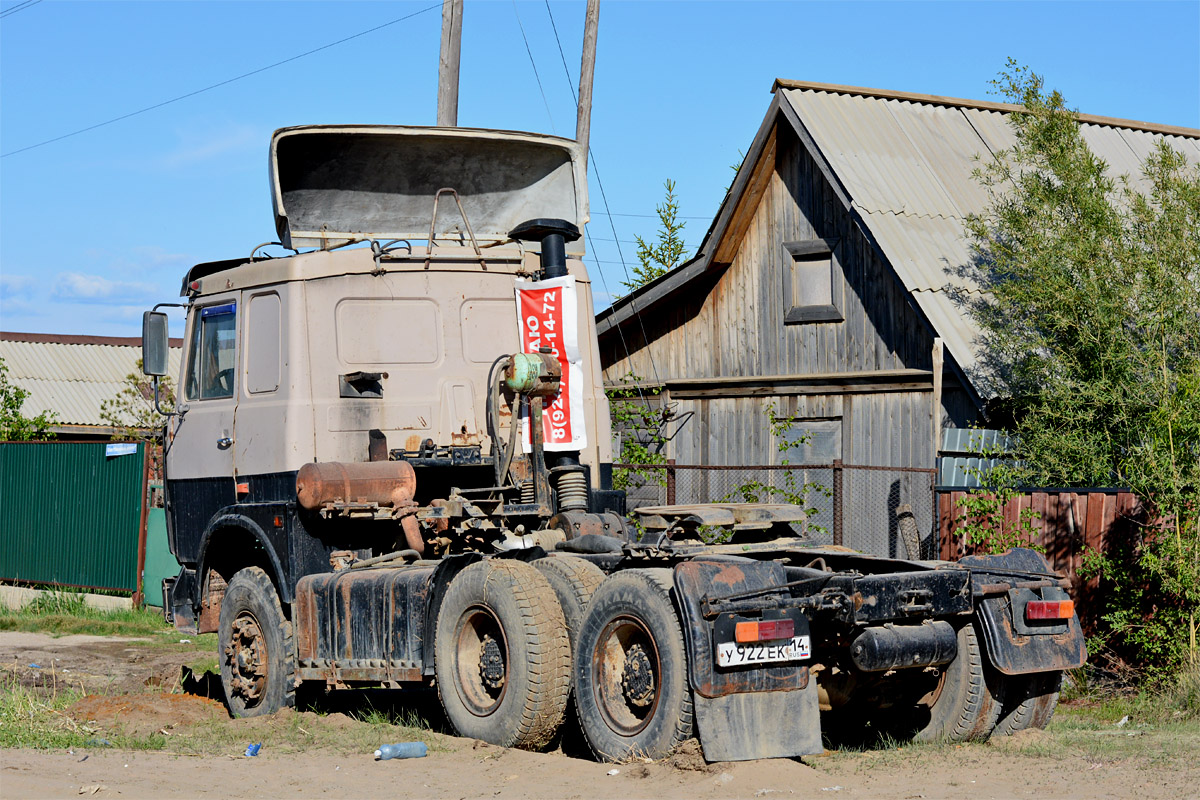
column 155, row 345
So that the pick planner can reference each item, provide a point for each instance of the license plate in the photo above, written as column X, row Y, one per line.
column 732, row 654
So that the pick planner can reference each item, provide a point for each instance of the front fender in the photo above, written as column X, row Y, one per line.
column 229, row 518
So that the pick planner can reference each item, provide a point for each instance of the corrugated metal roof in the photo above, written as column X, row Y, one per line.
column 72, row 379
column 906, row 163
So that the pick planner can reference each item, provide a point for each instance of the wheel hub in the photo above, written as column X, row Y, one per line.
column 491, row 663
column 637, row 679
column 247, row 655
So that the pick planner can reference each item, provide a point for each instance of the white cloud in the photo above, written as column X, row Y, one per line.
column 13, row 286
column 21, row 315
column 154, row 257
column 82, row 288
column 196, row 146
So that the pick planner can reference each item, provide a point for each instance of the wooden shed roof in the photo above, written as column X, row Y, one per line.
column 901, row 163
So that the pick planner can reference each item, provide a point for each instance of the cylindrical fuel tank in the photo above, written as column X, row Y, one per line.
column 899, row 646
column 388, row 483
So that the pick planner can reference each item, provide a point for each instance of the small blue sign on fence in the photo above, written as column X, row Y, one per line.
column 120, row 449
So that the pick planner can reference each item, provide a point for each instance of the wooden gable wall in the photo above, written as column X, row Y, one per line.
column 729, row 325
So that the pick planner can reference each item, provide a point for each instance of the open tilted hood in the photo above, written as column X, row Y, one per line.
column 331, row 184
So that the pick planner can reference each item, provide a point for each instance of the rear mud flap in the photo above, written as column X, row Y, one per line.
column 743, row 713
column 1010, row 650
column 743, row 727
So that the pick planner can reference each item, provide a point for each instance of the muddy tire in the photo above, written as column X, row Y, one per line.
column 255, row 647
column 963, row 707
column 502, row 655
column 574, row 580
column 1030, row 701
column 631, row 685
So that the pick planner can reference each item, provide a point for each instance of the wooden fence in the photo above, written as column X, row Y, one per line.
column 1069, row 523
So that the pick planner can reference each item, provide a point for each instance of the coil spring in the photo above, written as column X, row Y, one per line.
column 572, row 491
column 528, row 492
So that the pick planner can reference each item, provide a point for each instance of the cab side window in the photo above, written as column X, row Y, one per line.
column 213, row 356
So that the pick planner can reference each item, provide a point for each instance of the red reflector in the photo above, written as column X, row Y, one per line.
column 243, row 488
column 194, row 286
column 1049, row 609
column 764, row 631
column 776, row 629
column 278, row 521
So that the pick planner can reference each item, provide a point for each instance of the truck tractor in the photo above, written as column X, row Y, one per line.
column 390, row 466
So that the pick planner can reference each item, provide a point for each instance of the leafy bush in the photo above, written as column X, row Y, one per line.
column 1091, row 325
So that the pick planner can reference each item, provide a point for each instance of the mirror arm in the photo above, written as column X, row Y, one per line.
column 157, row 404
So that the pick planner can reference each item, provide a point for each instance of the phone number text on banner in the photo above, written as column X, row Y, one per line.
column 549, row 316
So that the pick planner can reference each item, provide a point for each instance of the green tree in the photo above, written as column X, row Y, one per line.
column 640, row 428
column 131, row 413
column 15, row 427
column 1091, row 325
column 659, row 259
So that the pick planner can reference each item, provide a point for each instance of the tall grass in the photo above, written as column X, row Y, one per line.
column 65, row 612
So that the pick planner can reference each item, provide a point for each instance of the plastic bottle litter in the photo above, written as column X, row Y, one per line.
column 252, row 750
column 401, row 750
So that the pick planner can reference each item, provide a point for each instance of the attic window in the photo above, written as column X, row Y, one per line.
column 812, row 282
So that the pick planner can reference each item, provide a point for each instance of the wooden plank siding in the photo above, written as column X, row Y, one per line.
column 1069, row 525
column 729, row 325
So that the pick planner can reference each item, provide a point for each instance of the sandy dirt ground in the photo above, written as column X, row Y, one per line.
column 979, row 772
column 136, row 678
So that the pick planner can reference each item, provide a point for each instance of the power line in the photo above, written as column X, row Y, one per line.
column 537, row 77
column 8, row 12
column 654, row 216
column 222, row 83
column 616, row 240
column 562, row 55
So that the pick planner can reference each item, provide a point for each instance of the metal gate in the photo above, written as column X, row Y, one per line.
column 73, row 513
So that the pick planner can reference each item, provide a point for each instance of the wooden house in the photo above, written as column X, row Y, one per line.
column 825, row 290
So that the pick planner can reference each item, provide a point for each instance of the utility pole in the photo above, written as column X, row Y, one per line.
column 587, row 69
column 447, row 103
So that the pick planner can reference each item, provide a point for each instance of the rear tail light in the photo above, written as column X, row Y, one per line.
column 765, row 630
column 1049, row 609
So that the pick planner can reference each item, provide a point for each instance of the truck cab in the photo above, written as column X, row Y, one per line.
column 369, row 346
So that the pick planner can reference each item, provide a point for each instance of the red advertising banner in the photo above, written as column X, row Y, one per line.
column 549, row 316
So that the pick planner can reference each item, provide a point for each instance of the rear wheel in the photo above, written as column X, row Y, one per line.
column 1030, row 701
column 1047, row 701
column 574, row 581
column 962, row 706
column 258, row 660
column 502, row 656
column 631, row 669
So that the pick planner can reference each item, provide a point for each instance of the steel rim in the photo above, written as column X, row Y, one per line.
column 248, row 658
column 481, row 661
column 627, row 675
column 930, row 698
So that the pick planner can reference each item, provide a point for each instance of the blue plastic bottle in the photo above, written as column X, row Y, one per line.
column 401, row 750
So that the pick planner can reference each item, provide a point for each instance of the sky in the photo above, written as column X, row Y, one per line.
column 99, row 226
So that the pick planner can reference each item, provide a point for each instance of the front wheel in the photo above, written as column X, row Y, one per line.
column 631, row 685
column 258, row 659
column 502, row 656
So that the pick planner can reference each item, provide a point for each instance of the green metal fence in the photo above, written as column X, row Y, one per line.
column 72, row 513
